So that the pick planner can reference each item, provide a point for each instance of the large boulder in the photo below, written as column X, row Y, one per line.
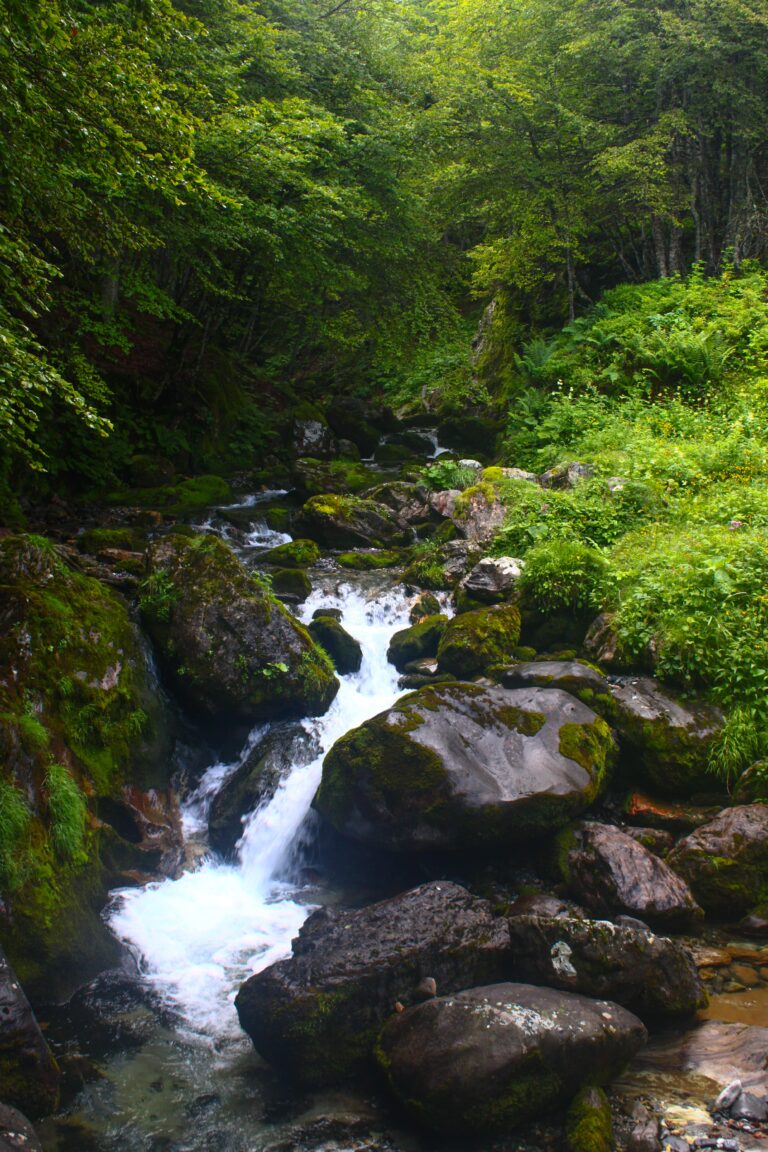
column 609, row 872
column 311, row 436
column 726, row 861
column 351, row 522
column 494, row 578
column 478, row 513
column 417, row 642
column 232, row 651
column 409, row 502
column 652, row 975
column 294, row 554
column 490, row 1058
column 668, row 740
column 314, row 477
column 316, row 1016
column 29, row 1076
column 476, row 641
column 457, row 765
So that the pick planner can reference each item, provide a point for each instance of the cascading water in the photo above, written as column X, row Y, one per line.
column 201, row 935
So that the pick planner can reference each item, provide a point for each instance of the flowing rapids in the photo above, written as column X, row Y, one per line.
column 200, row 936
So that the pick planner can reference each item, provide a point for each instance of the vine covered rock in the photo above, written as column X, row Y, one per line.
column 457, row 765
column 231, row 650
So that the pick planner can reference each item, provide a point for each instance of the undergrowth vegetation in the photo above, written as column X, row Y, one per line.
column 663, row 391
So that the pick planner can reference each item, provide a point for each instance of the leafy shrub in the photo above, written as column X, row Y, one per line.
column 444, row 474
column 566, row 575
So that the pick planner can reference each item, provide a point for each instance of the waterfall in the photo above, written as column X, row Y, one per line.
column 200, row 936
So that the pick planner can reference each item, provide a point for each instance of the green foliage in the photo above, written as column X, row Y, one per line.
column 157, row 596
column 425, row 568
column 67, row 809
column 15, row 819
column 444, row 474
column 565, row 575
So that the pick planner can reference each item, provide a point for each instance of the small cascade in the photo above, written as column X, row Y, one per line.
column 200, row 936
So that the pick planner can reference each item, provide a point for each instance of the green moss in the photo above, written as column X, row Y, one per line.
column 191, row 495
column 369, row 561
column 474, row 641
column 67, row 808
column 527, row 723
column 96, row 539
column 296, row 554
column 15, row 820
column 417, row 642
column 291, row 582
column 563, row 844
column 588, row 1125
column 278, row 519
column 482, row 492
column 591, row 746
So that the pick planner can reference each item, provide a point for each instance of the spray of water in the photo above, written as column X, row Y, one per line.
column 200, row 936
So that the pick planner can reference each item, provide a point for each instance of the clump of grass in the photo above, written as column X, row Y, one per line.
column 67, row 809
column 15, row 818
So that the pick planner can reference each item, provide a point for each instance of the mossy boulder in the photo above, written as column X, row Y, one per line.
column 343, row 649
column 588, row 1124
column 667, row 740
column 476, row 641
column 81, row 719
column 726, row 861
column 427, row 604
column 610, row 872
column 652, row 975
column 457, row 765
column 409, row 502
column 316, row 1016
column 487, row 1059
column 353, row 419
column 29, row 1075
column 180, row 498
column 295, row 554
column 292, row 583
column 350, row 522
column 369, row 561
column 582, row 680
column 229, row 648
column 417, row 642
column 314, row 477
column 95, row 540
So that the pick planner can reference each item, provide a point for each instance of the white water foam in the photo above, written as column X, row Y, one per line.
column 199, row 937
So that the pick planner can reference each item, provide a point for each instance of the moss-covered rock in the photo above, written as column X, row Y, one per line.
column 29, row 1075
column 314, row 477
column 350, row 522
column 95, row 539
column 81, row 720
column 523, row 763
column 416, row 642
column 230, row 649
column 667, row 740
column 476, row 641
column 588, row 1124
column 369, row 561
column 343, row 649
column 425, row 605
column 292, row 583
column 185, row 496
column 295, row 554
column 489, row 1058
column 726, row 861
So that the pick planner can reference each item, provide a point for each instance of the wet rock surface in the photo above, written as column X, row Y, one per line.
column 343, row 649
column 490, row 1057
column 580, row 679
column 351, row 522
column 652, row 975
column 610, row 872
column 316, row 1015
column 29, row 1076
column 726, row 861
column 456, row 765
column 16, row 1132
column 493, row 578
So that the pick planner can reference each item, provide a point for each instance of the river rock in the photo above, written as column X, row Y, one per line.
column 313, row 437
column 409, row 502
column 351, row 522
column 16, row 1132
column 418, row 642
column 651, row 975
column 713, row 1051
column 726, row 861
column 669, row 741
column 574, row 676
column 314, row 477
column 343, row 649
column 253, row 782
column 316, row 1015
column 478, row 513
column 542, row 904
column 489, row 1058
column 115, row 1011
column 294, row 554
column 610, row 872
column 232, row 651
column 494, row 578
column 427, row 604
column 29, row 1075
column 475, row 641
column 455, row 765
column 566, row 475
column 457, row 557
